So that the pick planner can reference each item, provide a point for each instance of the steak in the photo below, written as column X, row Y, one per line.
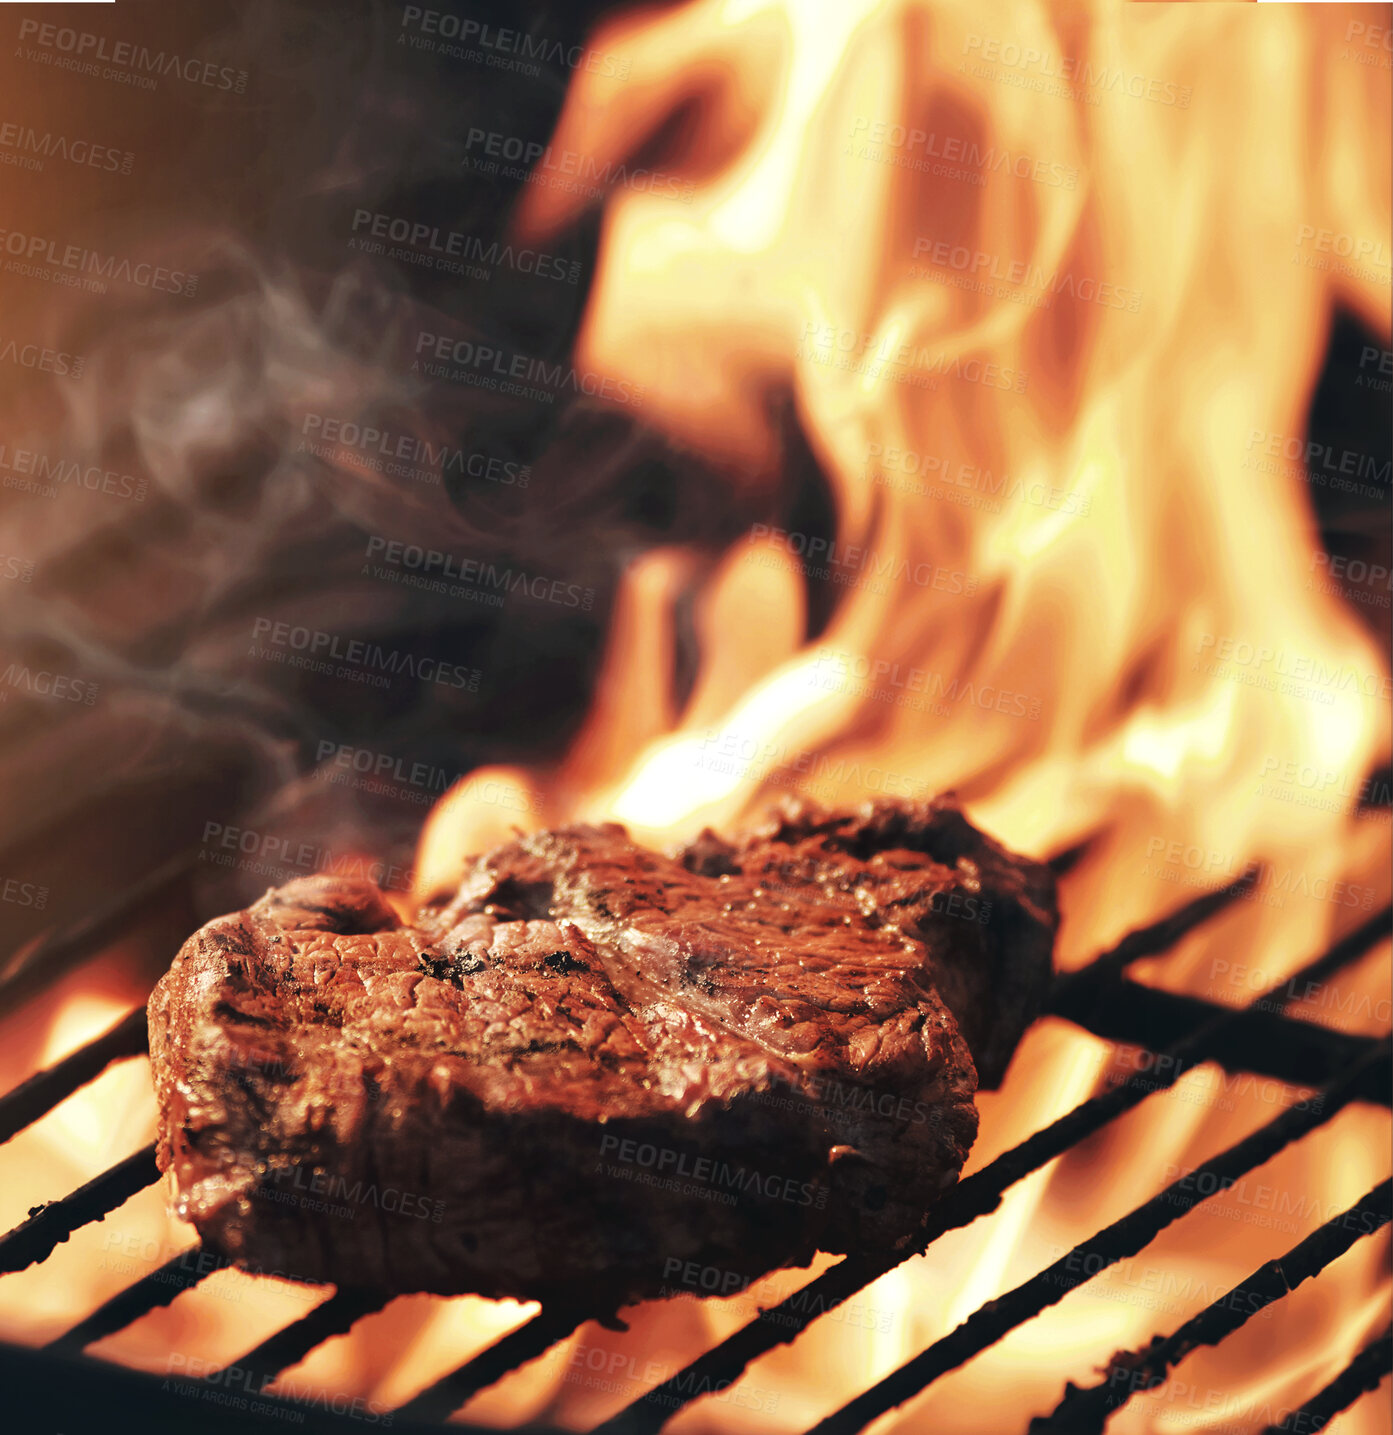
column 594, row 1064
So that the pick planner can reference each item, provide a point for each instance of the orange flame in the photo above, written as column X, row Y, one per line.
column 1049, row 292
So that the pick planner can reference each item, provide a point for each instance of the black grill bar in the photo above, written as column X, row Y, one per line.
column 1114, row 1243
column 42, row 1092
column 151, row 1291
column 1086, row 1411
column 290, row 1345
column 51, row 1224
column 1300, row 1053
column 977, row 1195
column 1070, row 994
column 1156, row 937
column 1364, row 1373
column 439, row 1401
column 1098, row 997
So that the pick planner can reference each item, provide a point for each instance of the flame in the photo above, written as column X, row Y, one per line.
column 1047, row 293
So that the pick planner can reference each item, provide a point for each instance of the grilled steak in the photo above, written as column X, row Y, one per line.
column 596, row 1061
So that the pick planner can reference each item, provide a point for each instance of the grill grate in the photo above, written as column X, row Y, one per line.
column 126, row 1307
column 1116, row 1242
column 1365, row 1372
column 1182, row 1032
column 292, row 1344
column 1085, row 1412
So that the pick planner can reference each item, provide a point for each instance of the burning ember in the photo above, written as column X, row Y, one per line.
column 1045, row 297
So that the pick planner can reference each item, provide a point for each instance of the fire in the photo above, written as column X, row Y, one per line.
column 1047, row 294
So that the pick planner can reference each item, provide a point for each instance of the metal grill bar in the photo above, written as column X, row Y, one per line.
column 151, row 1291
column 1157, row 937
column 1139, row 944
column 290, row 1345
column 52, row 1224
column 1079, row 996
column 1116, row 1242
column 1086, row 1411
column 977, row 1195
column 525, row 1343
column 439, row 1401
column 1364, row 1373
column 1300, row 1053
column 42, row 1092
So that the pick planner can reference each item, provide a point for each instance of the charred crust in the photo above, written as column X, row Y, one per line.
column 787, row 1023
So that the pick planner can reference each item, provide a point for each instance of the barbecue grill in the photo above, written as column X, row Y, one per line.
column 1178, row 419
column 61, row 1388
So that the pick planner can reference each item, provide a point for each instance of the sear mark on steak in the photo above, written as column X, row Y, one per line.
column 595, row 1060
